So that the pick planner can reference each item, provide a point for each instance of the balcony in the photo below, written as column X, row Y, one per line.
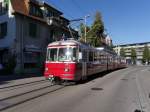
column 3, row 9
column 37, row 2
column 56, row 21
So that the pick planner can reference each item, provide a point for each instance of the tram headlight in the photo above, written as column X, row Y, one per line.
column 66, row 69
column 46, row 69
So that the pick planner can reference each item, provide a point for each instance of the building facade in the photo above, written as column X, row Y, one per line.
column 139, row 48
column 26, row 28
column 108, row 40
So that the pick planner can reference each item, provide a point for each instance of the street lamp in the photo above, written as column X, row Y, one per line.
column 85, row 18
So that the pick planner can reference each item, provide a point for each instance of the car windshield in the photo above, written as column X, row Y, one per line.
column 61, row 54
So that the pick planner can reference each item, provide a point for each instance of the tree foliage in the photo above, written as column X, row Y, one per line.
column 96, row 31
column 133, row 56
column 98, row 25
column 122, row 52
column 146, row 54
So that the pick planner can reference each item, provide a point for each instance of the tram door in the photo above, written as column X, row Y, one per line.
column 84, row 70
column 84, row 64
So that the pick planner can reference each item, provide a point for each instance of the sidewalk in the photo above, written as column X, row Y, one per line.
column 10, row 80
column 17, row 76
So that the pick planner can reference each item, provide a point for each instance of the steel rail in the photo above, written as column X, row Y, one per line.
column 27, row 96
column 21, row 84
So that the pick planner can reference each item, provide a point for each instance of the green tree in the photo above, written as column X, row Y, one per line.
column 146, row 55
column 95, row 34
column 122, row 52
column 133, row 56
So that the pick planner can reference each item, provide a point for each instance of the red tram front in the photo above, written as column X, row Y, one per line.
column 71, row 60
column 61, row 61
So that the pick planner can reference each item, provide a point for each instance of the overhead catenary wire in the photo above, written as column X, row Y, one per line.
column 78, row 6
column 60, row 8
column 70, row 15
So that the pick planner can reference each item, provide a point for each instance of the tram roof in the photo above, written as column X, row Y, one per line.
column 69, row 42
column 65, row 42
column 77, row 43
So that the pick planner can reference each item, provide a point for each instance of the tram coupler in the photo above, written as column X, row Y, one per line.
column 57, row 80
column 51, row 79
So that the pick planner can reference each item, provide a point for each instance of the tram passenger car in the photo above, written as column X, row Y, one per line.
column 71, row 60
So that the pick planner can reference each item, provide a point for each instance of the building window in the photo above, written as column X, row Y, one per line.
column 3, row 7
column 3, row 30
column 31, row 60
column 50, row 14
column 32, row 29
column 36, row 11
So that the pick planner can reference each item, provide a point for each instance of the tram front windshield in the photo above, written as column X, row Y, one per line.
column 61, row 54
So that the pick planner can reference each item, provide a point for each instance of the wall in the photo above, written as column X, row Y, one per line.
column 7, row 41
column 31, row 50
column 139, row 51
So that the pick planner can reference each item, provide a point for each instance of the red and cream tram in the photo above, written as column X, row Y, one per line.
column 71, row 60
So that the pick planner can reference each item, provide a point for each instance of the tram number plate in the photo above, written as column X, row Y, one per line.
column 50, row 75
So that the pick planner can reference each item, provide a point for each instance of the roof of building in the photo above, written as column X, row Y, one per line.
column 50, row 6
column 22, row 7
column 124, row 45
column 64, row 19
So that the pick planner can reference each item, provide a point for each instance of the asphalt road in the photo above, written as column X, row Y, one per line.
column 125, row 90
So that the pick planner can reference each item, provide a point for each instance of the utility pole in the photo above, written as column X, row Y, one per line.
column 85, row 18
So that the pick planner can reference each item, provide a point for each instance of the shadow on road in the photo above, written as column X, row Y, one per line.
column 3, row 82
column 95, row 76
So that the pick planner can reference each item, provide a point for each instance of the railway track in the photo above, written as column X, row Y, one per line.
column 17, row 86
column 17, row 99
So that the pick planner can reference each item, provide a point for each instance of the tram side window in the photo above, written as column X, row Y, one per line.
column 95, row 56
column 74, row 54
column 99, row 57
column 111, row 59
column 108, row 59
column 80, row 50
column 48, row 54
column 102, row 59
column 85, row 56
column 105, row 59
column 90, row 56
column 52, row 54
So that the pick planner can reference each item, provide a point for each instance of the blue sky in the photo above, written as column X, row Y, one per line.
column 126, row 21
